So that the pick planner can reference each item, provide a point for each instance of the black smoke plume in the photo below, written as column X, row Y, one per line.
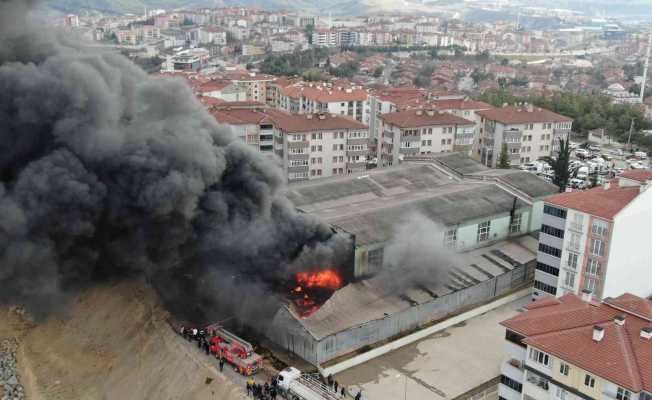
column 107, row 173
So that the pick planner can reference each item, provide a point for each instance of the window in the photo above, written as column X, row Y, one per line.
column 571, row 262
column 515, row 226
column 554, row 211
column 547, row 269
column 334, row 147
column 597, row 247
column 623, row 394
column 593, row 267
column 375, row 259
column 591, row 284
column 569, row 280
column 644, row 396
column 574, row 242
column 450, row 238
column 560, row 393
column 514, row 338
column 334, row 171
column 549, row 230
column 510, row 383
column 539, row 357
column 599, row 228
column 553, row 251
column 537, row 380
column 545, row 287
column 589, row 381
column 483, row 231
column 443, row 142
column 335, row 159
column 563, row 369
column 320, row 147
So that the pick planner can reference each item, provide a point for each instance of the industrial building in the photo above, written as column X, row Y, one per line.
column 488, row 217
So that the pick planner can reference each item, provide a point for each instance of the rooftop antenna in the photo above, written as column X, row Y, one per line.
column 647, row 63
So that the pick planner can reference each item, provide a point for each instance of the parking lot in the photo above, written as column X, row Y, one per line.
column 593, row 165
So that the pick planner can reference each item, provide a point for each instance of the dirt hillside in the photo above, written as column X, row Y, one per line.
column 113, row 344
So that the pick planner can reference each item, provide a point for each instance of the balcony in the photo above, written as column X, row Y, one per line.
column 409, row 150
column 513, row 369
column 573, row 226
column 357, row 141
column 298, row 144
column 350, row 153
column 298, row 168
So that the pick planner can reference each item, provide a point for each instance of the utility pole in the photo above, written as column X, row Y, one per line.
column 645, row 68
column 629, row 137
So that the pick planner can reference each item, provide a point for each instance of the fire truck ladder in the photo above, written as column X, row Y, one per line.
column 313, row 382
column 235, row 339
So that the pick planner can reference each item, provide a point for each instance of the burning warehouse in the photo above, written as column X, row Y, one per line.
column 431, row 238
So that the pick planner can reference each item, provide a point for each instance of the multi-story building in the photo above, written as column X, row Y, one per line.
column 571, row 348
column 467, row 109
column 647, row 103
column 529, row 132
column 597, row 240
column 325, row 38
column 301, row 97
column 419, row 131
column 255, row 84
column 312, row 145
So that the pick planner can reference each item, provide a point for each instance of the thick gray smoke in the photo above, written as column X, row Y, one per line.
column 107, row 173
column 415, row 255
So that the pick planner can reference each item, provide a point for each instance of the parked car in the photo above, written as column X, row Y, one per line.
column 578, row 183
column 581, row 153
column 641, row 155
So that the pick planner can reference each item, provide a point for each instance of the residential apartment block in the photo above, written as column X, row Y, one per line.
column 571, row 348
column 597, row 240
column 467, row 109
column 529, row 133
column 419, row 131
column 301, row 97
column 308, row 146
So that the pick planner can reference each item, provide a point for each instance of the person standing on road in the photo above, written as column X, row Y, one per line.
column 335, row 384
column 359, row 395
column 343, row 393
column 221, row 364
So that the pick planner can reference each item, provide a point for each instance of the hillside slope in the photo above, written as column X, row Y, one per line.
column 114, row 343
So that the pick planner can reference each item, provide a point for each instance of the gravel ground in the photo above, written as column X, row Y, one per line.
column 10, row 387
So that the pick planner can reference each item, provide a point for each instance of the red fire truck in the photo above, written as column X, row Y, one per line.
column 234, row 350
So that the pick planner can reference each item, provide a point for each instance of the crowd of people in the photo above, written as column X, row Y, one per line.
column 268, row 391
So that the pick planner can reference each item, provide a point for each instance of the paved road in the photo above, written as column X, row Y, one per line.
column 442, row 366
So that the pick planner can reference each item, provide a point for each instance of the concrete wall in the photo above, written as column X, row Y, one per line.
column 628, row 268
column 296, row 339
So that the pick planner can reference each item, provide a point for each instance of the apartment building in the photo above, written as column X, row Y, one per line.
column 468, row 109
column 529, row 132
column 596, row 240
column 346, row 100
column 419, row 131
column 325, row 38
column 571, row 348
column 308, row 146
column 254, row 84
column 392, row 99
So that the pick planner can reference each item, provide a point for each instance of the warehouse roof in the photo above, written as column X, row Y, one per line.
column 370, row 204
column 452, row 205
column 359, row 303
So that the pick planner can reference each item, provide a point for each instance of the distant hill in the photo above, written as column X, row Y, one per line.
column 337, row 7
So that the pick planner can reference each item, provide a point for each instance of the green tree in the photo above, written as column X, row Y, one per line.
column 503, row 161
column 504, row 62
column 378, row 72
column 559, row 165
column 308, row 31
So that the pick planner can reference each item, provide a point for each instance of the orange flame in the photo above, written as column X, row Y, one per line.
column 327, row 278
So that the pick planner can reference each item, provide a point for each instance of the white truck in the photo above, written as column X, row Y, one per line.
column 295, row 385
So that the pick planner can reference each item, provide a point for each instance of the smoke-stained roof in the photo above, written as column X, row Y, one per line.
column 370, row 205
column 359, row 303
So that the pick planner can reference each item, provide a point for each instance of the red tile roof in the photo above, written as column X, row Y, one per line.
column 640, row 175
column 460, row 104
column 294, row 123
column 416, row 118
column 564, row 328
column 325, row 94
column 600, row 202
column 521, row 115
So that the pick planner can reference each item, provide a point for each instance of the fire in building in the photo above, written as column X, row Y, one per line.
column 488, row 219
